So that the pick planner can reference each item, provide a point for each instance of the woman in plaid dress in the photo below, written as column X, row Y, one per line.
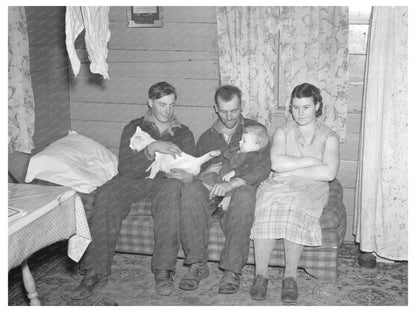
column 305, row 157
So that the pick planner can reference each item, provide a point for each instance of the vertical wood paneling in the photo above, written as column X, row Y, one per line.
column 49, row 73
column 359, row 20
column 183, row 52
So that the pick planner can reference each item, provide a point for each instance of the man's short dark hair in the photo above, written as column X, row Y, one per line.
column 226, row 93
column 161, row 89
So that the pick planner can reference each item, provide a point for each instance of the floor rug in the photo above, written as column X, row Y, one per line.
column 132, row 284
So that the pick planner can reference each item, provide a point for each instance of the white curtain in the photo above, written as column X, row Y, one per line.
column 21, row 106
column 248, row 48
column 266, row 50
column 381, row 219
column 314, row 49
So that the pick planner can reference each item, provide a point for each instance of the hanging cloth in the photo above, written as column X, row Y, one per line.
column 380, row 217
column 94, row 19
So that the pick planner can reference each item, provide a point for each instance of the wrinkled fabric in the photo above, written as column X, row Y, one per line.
column 290, row 207
column 94, row 19
column 248, row 52
column 381, row 205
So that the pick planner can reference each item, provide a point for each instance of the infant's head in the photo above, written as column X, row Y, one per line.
column 254, row 138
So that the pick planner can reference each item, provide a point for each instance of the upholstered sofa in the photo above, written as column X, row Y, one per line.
column 322, row 262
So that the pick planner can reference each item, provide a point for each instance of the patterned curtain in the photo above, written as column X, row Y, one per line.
column 21, row 103
column 380, row 217
column 248, row 47
column 314, row 49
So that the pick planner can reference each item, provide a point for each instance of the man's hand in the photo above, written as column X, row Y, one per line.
column 180, row 174
column 164, row 147
column 220, row 189
column 214, row 168
column 227, row 177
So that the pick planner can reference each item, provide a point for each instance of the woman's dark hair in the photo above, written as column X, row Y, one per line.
column 161, row 89
column 307, row 90
column 226, row 93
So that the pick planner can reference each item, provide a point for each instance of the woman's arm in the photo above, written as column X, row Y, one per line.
column 283, row 163
column 325, row 171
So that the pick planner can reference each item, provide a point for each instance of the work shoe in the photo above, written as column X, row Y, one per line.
column 230, row 283
column 258, row 290
column 164, row 282
column 91, row 281
column 289, row 290
column 196, row 272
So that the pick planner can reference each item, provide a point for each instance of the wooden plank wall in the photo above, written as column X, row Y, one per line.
column 184, row 52
column 49, row 71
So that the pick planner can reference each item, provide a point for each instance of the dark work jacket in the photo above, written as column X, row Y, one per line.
column 212, row 139
column 133, row 164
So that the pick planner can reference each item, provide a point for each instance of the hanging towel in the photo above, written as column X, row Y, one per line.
column 97, row 34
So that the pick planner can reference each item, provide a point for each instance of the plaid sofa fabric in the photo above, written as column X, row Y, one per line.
column 137, row 236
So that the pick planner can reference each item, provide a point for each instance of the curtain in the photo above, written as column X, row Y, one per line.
column 266, row 50
column 380, row 216
column 314, row 49
column 247, row 43
column 21, row 103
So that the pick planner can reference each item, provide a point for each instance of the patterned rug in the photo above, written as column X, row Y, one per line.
column 132, row 284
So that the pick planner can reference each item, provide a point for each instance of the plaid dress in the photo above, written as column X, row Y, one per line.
column 290, row 207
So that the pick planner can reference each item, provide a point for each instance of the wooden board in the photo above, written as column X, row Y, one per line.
column 356, row 65
column 359, row 14
column 172, row 70
column 347, row 173
column 125, row 112
column 172, row 37
column 191, row 92
column 172, row 14
column 109, row 133
column 349, row 196
column 140, row 56
column 357, row 40
column 355, row 91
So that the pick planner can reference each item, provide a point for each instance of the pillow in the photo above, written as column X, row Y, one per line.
column 75, row 161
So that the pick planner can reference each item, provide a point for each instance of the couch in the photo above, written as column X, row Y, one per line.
column 321, row 262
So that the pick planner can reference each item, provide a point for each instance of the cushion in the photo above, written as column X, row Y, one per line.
column 334, row 212
column 75, row 161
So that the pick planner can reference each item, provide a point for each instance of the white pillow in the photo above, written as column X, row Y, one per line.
column 75, row 161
